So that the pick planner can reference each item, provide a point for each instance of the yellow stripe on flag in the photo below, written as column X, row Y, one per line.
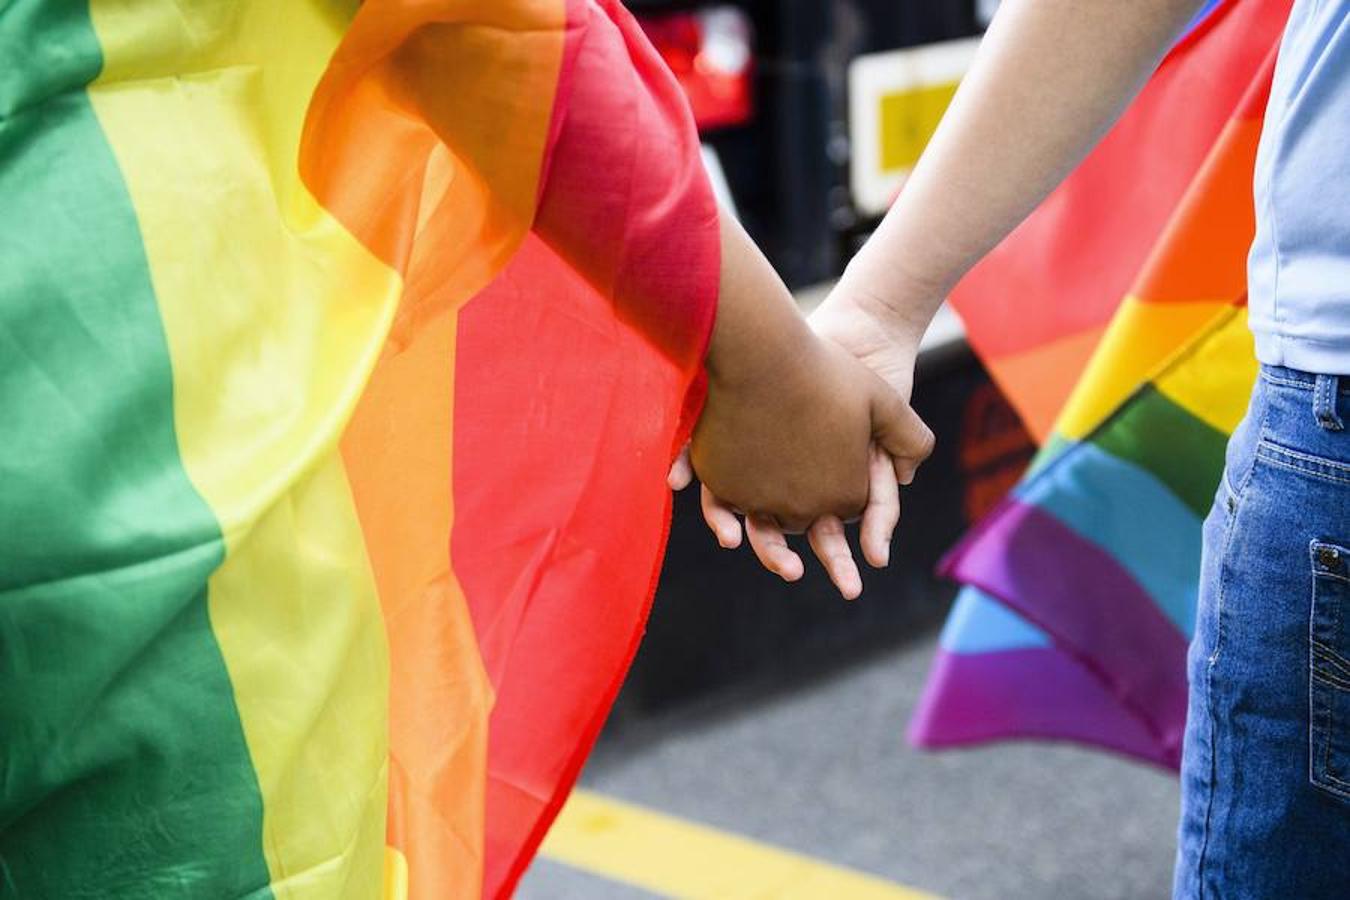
column 274, row 316
column 1141, row 338
column 677, row 858
column 1205, row 386
column 395, row 874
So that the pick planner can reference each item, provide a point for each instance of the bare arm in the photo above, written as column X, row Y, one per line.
column 770, row 383
column 789, row 420
column 1049, row 80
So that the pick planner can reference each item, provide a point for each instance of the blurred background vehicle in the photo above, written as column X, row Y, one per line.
column 790, row 95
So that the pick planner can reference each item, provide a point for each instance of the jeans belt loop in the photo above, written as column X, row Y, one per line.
column 1326, row 391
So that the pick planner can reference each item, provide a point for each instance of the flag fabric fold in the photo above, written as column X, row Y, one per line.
column 343, row 350
column 1083, row 582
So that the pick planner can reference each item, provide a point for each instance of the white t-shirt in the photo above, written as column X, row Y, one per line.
column 1298, row 272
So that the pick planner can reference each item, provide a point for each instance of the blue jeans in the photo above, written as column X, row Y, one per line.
column 1265, row 809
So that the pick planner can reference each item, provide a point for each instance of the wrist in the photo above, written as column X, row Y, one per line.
column 901, row 307
column 746, row 353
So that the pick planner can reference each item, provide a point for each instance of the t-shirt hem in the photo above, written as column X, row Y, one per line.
column 1318, row 358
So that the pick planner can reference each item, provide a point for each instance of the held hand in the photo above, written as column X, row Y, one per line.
column 826, row 535
column 859, row 322
column 789, row 425
column 905, row 436
column 853, row 320
column 791, row 443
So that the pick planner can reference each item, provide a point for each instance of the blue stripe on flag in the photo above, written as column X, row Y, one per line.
column 1131, row 515
column 980, row 624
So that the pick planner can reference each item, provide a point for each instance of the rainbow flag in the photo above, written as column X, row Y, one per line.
column 1073, row 260
column 1082, row 583
column 343, row 351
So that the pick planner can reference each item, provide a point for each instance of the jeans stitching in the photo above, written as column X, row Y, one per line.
column 1306, row 470
column 1321, row 775
column 1210, row 666
column 1334, row 665
column 1325, row 394
column 1274, row 447
column 1297, row 385
column 1322, row 661
column 1338, row 662
column 1287, row 382
column 1234, row 509
column 1331, row 710
column 1331, row 680
column 1262, row 438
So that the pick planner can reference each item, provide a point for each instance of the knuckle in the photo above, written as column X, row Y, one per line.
column 926, row 444
column 831, row 526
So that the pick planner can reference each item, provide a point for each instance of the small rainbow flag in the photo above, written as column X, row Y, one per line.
column 343, row 351
column 1082, row 583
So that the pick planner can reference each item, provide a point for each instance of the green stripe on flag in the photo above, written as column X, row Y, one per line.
column 1161, row 437
column 125, row 772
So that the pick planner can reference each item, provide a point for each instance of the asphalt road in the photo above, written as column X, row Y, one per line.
column 822, row 768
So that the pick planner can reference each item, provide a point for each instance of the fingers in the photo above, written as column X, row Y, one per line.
column 769, row 544
column 900, row 432
column 831, row 548
column 883, row 509
column 826, row 536
column 681, row 471
column 721, row 520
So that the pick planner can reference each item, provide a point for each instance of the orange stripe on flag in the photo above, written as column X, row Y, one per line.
column 1202, row 253
column 1043, row 366
column 428, row 130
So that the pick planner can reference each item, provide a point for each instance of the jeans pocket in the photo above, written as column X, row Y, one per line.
column 1329, row 661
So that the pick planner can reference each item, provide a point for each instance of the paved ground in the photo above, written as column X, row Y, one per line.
column 822, row 769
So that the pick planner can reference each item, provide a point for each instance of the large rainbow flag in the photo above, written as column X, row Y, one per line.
column 1082, row 583
column 343, row 351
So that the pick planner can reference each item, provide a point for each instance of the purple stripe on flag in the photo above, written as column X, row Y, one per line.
column 1092, row 608
column 1029, row 693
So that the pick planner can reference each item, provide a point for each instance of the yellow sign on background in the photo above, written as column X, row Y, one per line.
column 895, row 101
column 908, row 120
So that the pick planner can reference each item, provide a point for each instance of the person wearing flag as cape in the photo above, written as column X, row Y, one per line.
column 344, row 349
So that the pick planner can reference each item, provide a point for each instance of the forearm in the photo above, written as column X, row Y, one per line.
column 1049, row 80
column 758, row 324
column 789, row 418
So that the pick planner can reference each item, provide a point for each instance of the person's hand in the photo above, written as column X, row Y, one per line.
column 852, row 318
column 788, row 444
column 825, row 535
column 773, row 428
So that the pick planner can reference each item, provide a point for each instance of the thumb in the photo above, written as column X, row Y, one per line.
column 681, row 471
column 900, row 432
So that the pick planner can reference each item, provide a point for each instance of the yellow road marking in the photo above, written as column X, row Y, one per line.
column 677, row 858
